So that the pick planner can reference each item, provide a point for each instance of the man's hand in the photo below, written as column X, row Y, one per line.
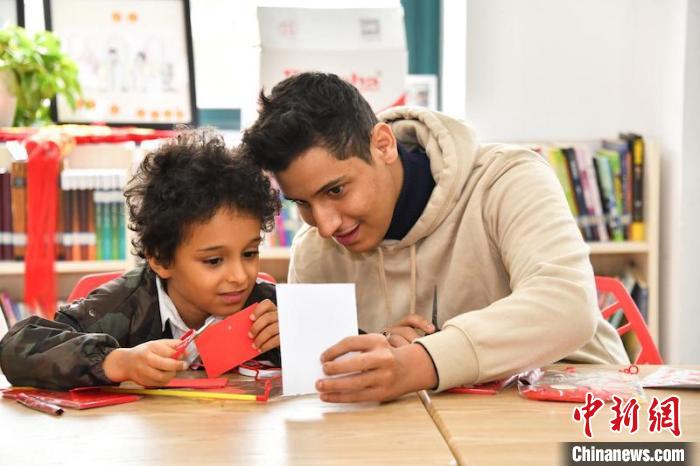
column 377, row 372
column 265, row 330
column 149, row 364
column 406, row 330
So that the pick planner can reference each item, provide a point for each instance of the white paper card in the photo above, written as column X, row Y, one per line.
column 312, row 318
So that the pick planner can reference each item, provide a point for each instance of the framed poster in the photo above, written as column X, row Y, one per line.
column 11, row 12
column 422, row 90
column 135, row 61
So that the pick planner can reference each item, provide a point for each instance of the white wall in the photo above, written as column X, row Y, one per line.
column 567, row 69
column 687, row 327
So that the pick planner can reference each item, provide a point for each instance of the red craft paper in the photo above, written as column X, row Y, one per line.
column 78, row 398
column 226, row 344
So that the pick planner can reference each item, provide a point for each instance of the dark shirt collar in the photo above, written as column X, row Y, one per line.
column 417, row 187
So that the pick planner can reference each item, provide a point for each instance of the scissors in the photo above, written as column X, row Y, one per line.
column 435, row 310
column 190, row 336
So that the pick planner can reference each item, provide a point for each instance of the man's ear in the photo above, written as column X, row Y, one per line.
column 383, row 143
column 162, row 271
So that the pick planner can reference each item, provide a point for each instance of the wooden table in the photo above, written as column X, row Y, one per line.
column 171, row 431
column 480, row 430
column 508, row 429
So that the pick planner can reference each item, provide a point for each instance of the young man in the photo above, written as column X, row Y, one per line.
column 438, row 232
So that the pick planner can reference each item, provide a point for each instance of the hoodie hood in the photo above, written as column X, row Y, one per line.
column 452, row 149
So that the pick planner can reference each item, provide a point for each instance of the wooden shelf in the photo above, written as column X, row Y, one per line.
column 274, row 253
column 622, row 247
column 17, row 267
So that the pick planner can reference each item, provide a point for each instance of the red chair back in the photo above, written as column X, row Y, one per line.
column 264, row 276
column 89, row 282
column 649, row 354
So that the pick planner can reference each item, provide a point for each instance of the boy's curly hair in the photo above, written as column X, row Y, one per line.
column 186, row 181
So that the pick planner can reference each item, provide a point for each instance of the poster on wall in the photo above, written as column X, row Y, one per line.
column 134, row 57
column 364, row 46
column 422, row 90
column 11, row 12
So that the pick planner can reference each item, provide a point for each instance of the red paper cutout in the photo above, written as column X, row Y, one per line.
column 226, row 344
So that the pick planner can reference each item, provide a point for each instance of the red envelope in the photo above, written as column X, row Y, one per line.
column 226, row 344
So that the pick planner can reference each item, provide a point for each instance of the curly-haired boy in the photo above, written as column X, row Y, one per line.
column 197, row 210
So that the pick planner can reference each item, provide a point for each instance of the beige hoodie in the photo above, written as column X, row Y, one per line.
column 514, row 283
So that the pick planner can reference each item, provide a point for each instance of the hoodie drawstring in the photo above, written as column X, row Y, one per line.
column 385, row 287
column 413, row 278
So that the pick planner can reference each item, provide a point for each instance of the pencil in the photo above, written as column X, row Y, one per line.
column 187, row 393
column 37, row 404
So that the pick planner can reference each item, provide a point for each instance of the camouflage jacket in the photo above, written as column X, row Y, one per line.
column 69, row 351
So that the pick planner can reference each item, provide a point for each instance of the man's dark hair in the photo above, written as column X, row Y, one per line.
column 185, row 182
column 310, row 110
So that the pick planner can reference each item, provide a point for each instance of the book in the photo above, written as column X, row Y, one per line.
column 640, row 296
column 636, row 147
column 584, row 214
column 76, row 253
column 623, row 163
column 628, row 280
column 18, row 172
column 558, row 162
column 8, row 317
column 590, row 186
column 614, row 159
column 6, row 249
column 604, row 175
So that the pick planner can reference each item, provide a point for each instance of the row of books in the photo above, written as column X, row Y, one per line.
column 636, row 285
column 287, row 223
column 13, row 211
column 91, row 219
column 91, row 214
column 604, row 186
column 12, row 311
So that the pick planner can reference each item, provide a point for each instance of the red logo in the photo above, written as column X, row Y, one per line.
column 665, row 415
column 361, row 82
column 627, row 415
column 587, row 411
column 662, row 415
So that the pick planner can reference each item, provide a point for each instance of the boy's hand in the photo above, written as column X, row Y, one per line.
column 406, row 330
column 265, row 330
column 149, row 364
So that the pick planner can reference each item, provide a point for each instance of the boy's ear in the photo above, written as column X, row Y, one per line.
column 162, row 271
column 383, row 143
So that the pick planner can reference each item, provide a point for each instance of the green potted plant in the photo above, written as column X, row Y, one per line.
column 33, row 70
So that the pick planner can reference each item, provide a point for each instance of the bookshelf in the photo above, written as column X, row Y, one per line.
column 612, row 258
column 274, row 260
column 88, row 156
